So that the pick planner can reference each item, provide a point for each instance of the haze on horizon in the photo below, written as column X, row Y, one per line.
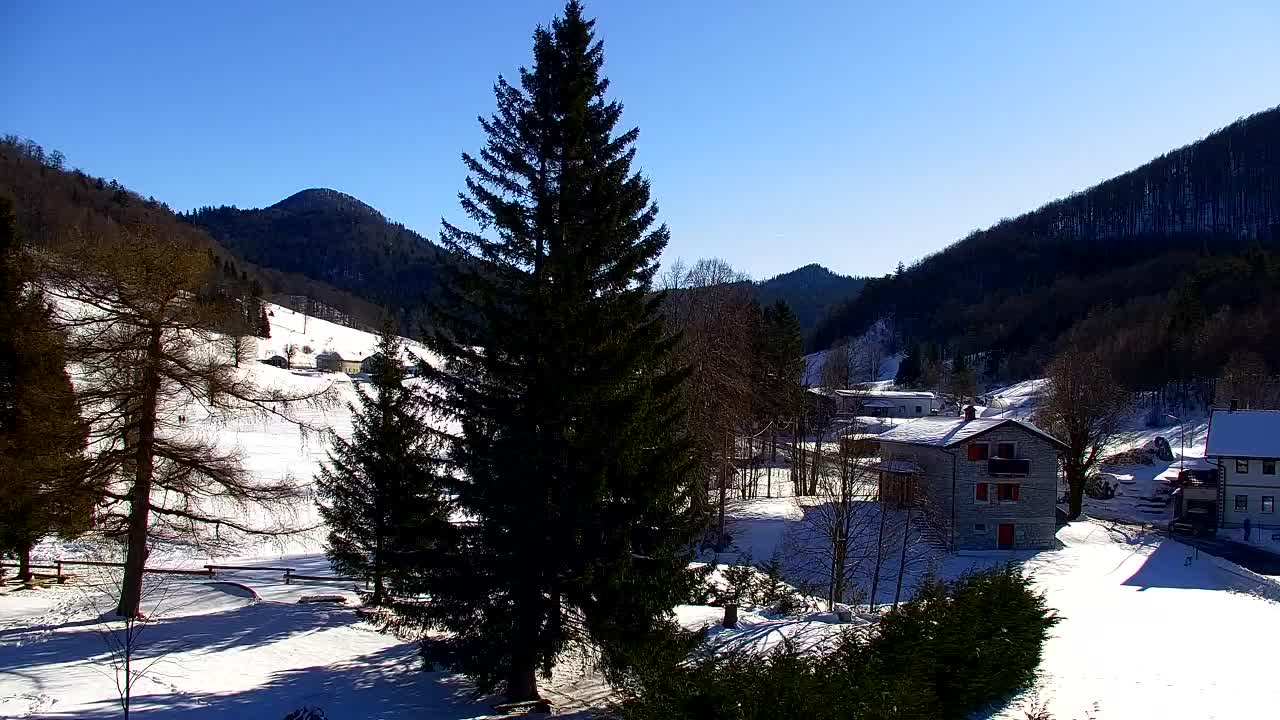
column 855, row 137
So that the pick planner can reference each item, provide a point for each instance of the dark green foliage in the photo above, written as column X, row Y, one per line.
column 264, row 323
column 772, row 590
column 565, row 457
column 950, row 652
column 810, row 291
column 333, row 238
column 380, row 493
column 911, row 369
column 55, row 206
column 43, row 488
column 781, row 365
column 1020, row 286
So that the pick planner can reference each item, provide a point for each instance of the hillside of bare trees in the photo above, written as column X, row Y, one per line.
column 1182, row 246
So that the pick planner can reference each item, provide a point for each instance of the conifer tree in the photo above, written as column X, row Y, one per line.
column 782, row 358
column 565, row 456
column 43, row 488
column 380, row 492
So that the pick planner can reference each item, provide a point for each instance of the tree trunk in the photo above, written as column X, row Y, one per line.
column 24, row 562
column 875, row 580
column 724, row 482
column 902, row 559
column 1075, row 492
column 135, row 561
column 522, row 682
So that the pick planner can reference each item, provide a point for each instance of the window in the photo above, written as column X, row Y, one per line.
column 1006, row 450
column 1268, row 503
column 1008, row 492
column 919, row 410
column 980, row 492
column 978, row 451
column 1242, row 503
column 979, row 527
column 1242, row 467
column 1268, row 467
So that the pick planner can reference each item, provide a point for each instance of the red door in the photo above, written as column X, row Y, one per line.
column 1004, row 536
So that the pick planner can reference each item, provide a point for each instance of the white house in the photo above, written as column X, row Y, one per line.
column 1245, row 445
column 886, row 403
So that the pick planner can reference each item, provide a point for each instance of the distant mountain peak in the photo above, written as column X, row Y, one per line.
column 812, row 270
column 313, row 199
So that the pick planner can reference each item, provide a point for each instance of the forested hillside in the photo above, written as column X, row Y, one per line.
column 1173, row 258
column 811, row 291
column 334, row 238
column 55, row 204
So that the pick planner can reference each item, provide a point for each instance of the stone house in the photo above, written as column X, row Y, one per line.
column 989, row 483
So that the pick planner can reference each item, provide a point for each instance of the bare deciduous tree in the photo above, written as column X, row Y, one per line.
column 1247, row 380
column 837, row 538
column 1084, row 408
column 147, row 360
column 710, row 306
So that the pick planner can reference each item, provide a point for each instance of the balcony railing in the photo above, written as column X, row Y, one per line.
column 1008, row 466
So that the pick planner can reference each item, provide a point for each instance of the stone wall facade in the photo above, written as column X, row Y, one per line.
column 952, row 480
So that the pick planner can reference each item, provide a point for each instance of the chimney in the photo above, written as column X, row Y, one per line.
column 970, row 413
column 1235, row 404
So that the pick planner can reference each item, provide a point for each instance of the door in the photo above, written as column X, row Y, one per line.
column 1004, row 536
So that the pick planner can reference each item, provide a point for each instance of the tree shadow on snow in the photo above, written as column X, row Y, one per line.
column 387, row 684
column 244, row 627
column 1173, row 565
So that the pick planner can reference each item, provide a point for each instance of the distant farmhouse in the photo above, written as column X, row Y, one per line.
column 826, row 404
column 332, row 361
column 1245, row 446
column 990, row 483
column 276, row 361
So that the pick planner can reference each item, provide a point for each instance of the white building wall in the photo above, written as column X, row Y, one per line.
column 1252, row 488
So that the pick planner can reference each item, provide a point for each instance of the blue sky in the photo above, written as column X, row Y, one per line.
column 776, row 134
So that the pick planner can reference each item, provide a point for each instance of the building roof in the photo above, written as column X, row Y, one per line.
column 888, row 394
column 1244, row 433
column 950, row 431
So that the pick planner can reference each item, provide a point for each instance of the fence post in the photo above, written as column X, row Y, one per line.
column 59, row 565
column 287, row 572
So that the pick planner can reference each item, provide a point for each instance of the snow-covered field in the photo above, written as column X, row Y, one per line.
column 1150, row 628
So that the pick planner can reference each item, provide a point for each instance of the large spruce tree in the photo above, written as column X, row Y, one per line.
column 379, row 492
column 43, row 486
column 568, row 468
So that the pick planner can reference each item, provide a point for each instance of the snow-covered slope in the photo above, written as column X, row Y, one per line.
column 289, row 327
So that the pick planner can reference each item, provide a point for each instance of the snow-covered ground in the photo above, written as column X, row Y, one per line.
column 290, row 327
column 1150, row 628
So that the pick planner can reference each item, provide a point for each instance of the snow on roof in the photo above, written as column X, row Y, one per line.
column 948, row 431
column 901, row 394
column 1244, row 433
column 899, row 466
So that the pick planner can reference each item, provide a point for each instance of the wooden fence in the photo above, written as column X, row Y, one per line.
column 290, row 574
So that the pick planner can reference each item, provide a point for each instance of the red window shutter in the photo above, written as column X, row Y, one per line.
column 975, row 452
column 1016, row 491
column 982, row 491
